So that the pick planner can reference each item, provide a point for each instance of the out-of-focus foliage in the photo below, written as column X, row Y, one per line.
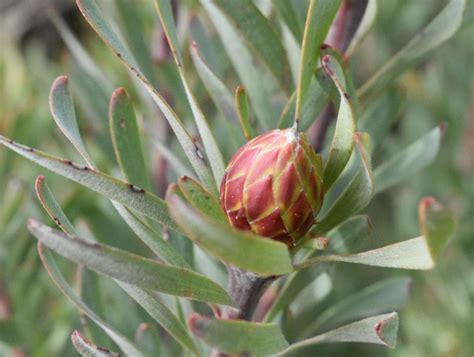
column 36, row 319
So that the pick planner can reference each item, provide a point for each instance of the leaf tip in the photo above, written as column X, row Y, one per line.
column 386, row 330
column 195, row 324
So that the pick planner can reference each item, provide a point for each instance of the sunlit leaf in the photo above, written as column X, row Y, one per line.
column 437, row 226
column 201, row 199
column 132, row 269
column 237, row 336
column 381, row 330
column 127, row 194
column 240, row 249
column 242, row 106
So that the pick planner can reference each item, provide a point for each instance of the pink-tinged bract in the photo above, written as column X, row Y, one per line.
column 273, row 186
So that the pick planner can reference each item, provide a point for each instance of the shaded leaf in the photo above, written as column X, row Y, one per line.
column 288, row 13
column 210, row 145
column 356, row 195
column 237, row 336
column 62, row 108
column 93, row 15
column 243, row 62
column 258, row 32
column 88, row 349
column 49, row 263
column 240, row 249
column 129, row 195
column 364, row 26
column 131, row 268
column 439, row 30
column 319, row 18
column 382, row 297
column 381, row 330
column 162, row 315
column 342, row 143
column 407, row 162
column 126, row 139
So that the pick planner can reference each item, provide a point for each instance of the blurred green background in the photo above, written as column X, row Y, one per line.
column 37, row 319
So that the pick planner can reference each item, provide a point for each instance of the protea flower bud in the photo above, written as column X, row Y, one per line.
column 273, row 186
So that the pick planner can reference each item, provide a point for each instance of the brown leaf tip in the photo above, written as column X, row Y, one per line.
column 195, row 324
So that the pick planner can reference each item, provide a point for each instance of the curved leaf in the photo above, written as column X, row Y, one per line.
column 131, row 268
column 241, row 249
column 237, row 336
column 62, row 108
column 127, row 194
column 356, row 195
column 126, row 139
column 88, row 349
column 162, row 315
column 201, row 199
column 93, row 15
column 420, row 253
column 405, row 163
column 319, row 18
column 342, row 143
column 381, row 330
column 48, row 261
column 439, row 30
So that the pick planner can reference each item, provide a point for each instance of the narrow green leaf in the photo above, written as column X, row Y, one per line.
column 93, row 15
column 127, row 194
column 288, row 13
column 237, row 336
column 319, row 18
column 407, row 162
column 201, row 199
column 162, row 315
column 152, row 238
column 243, row 62
column 126, row 139
column 382, row 297
column 49, row 263
column 87, row 349
column 437, row 226
column 210, row 145
column 356, row 196
column 365, row 25
column 62, row 108
column 438, row 31
column 241, row 249
column 256, row 29
column 243, row 112
column 342, row 143
column 381, row 330
column 131, row 268
column 52, row 207
column 221, row 96
column 317, row 98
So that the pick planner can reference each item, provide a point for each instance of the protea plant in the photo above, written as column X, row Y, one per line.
column 274, row 219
